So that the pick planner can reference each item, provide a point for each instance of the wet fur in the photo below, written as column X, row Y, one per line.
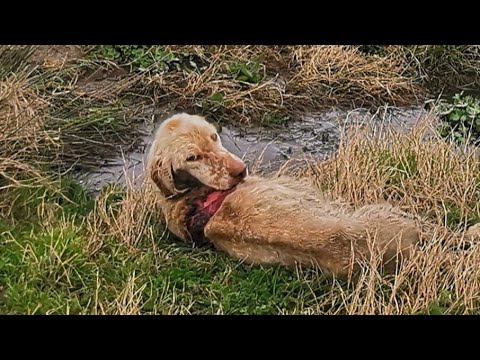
column 269, row 220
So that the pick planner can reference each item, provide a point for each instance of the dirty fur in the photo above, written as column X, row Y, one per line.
column 270, row 220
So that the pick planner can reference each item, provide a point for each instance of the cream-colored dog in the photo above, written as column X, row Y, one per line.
column 207, row 197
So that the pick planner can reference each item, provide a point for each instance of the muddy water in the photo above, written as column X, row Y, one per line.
column 266, row 149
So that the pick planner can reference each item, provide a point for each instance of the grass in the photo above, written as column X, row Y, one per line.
column 442, row 66
column 256, row 80
column 64, row 251
column 54, row 269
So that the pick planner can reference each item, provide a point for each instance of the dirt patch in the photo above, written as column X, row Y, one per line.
column 55, row 56
column 101, row 83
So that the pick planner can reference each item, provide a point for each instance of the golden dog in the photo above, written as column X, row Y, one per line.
column 207, row 197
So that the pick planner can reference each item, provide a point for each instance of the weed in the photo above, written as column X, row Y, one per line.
column 460, row 119
column 249, row 72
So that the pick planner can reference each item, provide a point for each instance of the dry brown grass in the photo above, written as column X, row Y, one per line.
column 122, row 221
column 339, row 75
column 440, row 66
column 423, row 175
column 69, row 108
column 294, row 79
column 418, row 170
column 21, row 117
column 22, row 135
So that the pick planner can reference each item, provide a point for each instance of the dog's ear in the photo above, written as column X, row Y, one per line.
column 160, row 171
column 168, row 181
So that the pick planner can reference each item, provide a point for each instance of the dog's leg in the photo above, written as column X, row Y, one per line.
column 396, row 232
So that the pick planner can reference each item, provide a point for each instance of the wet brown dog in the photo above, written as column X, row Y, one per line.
column 207, row 197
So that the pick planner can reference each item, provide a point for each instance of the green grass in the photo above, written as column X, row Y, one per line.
column 46, row 268
column 54, row 275
column 50, row 272
column 274, row 119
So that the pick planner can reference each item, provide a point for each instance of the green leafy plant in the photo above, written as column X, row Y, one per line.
column 274, row 118
column 460, row 119
column 157, row 59
column 250, row 71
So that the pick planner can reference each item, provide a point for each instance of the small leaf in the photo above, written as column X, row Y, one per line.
column 435, row 310
column 217, row 97
column 455, row 116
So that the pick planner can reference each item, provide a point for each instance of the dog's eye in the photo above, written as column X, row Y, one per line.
column 194, row 158
column 214, row 137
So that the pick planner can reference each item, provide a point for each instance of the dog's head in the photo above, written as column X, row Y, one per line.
column 187, row 153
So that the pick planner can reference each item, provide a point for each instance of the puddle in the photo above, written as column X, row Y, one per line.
column 314, row 135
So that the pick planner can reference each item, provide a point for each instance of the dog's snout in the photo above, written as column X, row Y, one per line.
column 239, row 171
column 243, row 174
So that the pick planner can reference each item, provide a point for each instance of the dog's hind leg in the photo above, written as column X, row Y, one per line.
column 395, row 231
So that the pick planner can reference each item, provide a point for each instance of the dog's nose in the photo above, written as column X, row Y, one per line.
column 239, row 172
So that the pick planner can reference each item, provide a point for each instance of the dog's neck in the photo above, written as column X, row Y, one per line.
column 202, row 204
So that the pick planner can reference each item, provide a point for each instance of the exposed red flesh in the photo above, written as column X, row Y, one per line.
column 208, row 207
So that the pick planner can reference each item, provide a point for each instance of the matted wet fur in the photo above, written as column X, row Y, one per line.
column 208, row 198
